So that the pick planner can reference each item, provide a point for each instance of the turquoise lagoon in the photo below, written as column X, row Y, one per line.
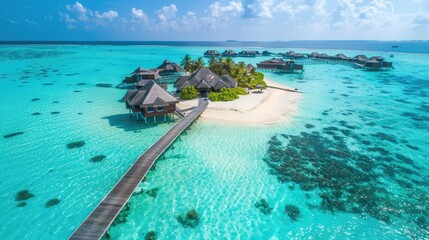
column 365, row 135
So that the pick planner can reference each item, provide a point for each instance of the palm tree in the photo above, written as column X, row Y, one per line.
column 186, row 63
column 199, row 63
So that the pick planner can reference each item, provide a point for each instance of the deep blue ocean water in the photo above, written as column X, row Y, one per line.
column 353, row 161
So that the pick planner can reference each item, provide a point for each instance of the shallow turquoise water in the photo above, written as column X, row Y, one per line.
column 220, row 170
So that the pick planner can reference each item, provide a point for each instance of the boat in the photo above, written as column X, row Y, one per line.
column 395, row 46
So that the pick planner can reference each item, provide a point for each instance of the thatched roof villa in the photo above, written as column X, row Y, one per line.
column 324, row 56
column 315, row 55
column 229, row 53
column 377, row 63
column 150, row 100
column 293, row 55
column 138, row 75
column 168, row 68
column 361, row 59
column 212, row 53
column 341, row 56
column 205, row 81
column 266, row 53
column 247, row 53
column 280, row 65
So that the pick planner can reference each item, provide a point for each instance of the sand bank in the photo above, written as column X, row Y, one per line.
column 270, row 106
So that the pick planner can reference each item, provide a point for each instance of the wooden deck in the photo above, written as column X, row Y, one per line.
column 97, row 223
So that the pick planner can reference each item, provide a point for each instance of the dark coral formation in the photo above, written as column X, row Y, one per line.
column 348, row 180
column 74, row 145
column 13, row 134
column 23, row 195
column 151, row 235
column 98, row 158
column 122, row 216
column 292, row 211
column 152, row 192
column 52, row 202
column 263, row 206
column 191, row 219
column 104, row 85
column 21, row 204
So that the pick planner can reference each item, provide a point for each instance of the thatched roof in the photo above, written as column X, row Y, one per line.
column 170, row 67
column 376, row 58
column 247, row 52
column 229, row 53
column 362, row 58
column 324, row 55
column 315, row 54
column 290, row 53
column 274, row 61
column 211, row 53
column 203, row 78
column 341, row 56
column 150, row 94
column 139, row 69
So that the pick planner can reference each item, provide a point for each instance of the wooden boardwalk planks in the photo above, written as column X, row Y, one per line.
column 97, row 223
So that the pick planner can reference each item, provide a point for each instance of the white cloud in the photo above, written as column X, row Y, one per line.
column 364, row 13
column 79, row 15
column 421, row 20
column 167, row 13
column 190, row 21
column 109, row 15
column 30, row 22
column 320, row 7
column 218, row 9
column 259, row 8
column 78, row 9
column 292, row 7
column 139, row 15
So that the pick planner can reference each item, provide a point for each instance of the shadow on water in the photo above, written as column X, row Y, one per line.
column 123, row 121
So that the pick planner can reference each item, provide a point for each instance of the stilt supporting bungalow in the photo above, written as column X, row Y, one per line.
column 150, row 101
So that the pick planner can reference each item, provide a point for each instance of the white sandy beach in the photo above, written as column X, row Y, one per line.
column 270, row 106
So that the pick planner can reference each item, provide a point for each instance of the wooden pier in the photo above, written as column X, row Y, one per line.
column 100, row 219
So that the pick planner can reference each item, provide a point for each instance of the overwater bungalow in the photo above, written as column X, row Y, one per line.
column 138, row 75
column 315, row 55
column 212, row 53
column 377, row 63
column 169, row 68
column 324, row 56
column 266, row 53
column 205, row 81
column 361, row 59
column 341, row 57
column 248, row 53
column 280, row 65
column 150, row 100
column 293, row 55
column 229, row 53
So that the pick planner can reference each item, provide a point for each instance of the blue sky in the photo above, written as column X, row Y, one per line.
column 268, row 20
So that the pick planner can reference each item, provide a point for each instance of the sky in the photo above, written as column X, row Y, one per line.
column 204, row 20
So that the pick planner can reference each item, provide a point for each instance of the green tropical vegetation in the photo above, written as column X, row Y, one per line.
column 188, row 92
column 227, row 94
column 227, row 66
